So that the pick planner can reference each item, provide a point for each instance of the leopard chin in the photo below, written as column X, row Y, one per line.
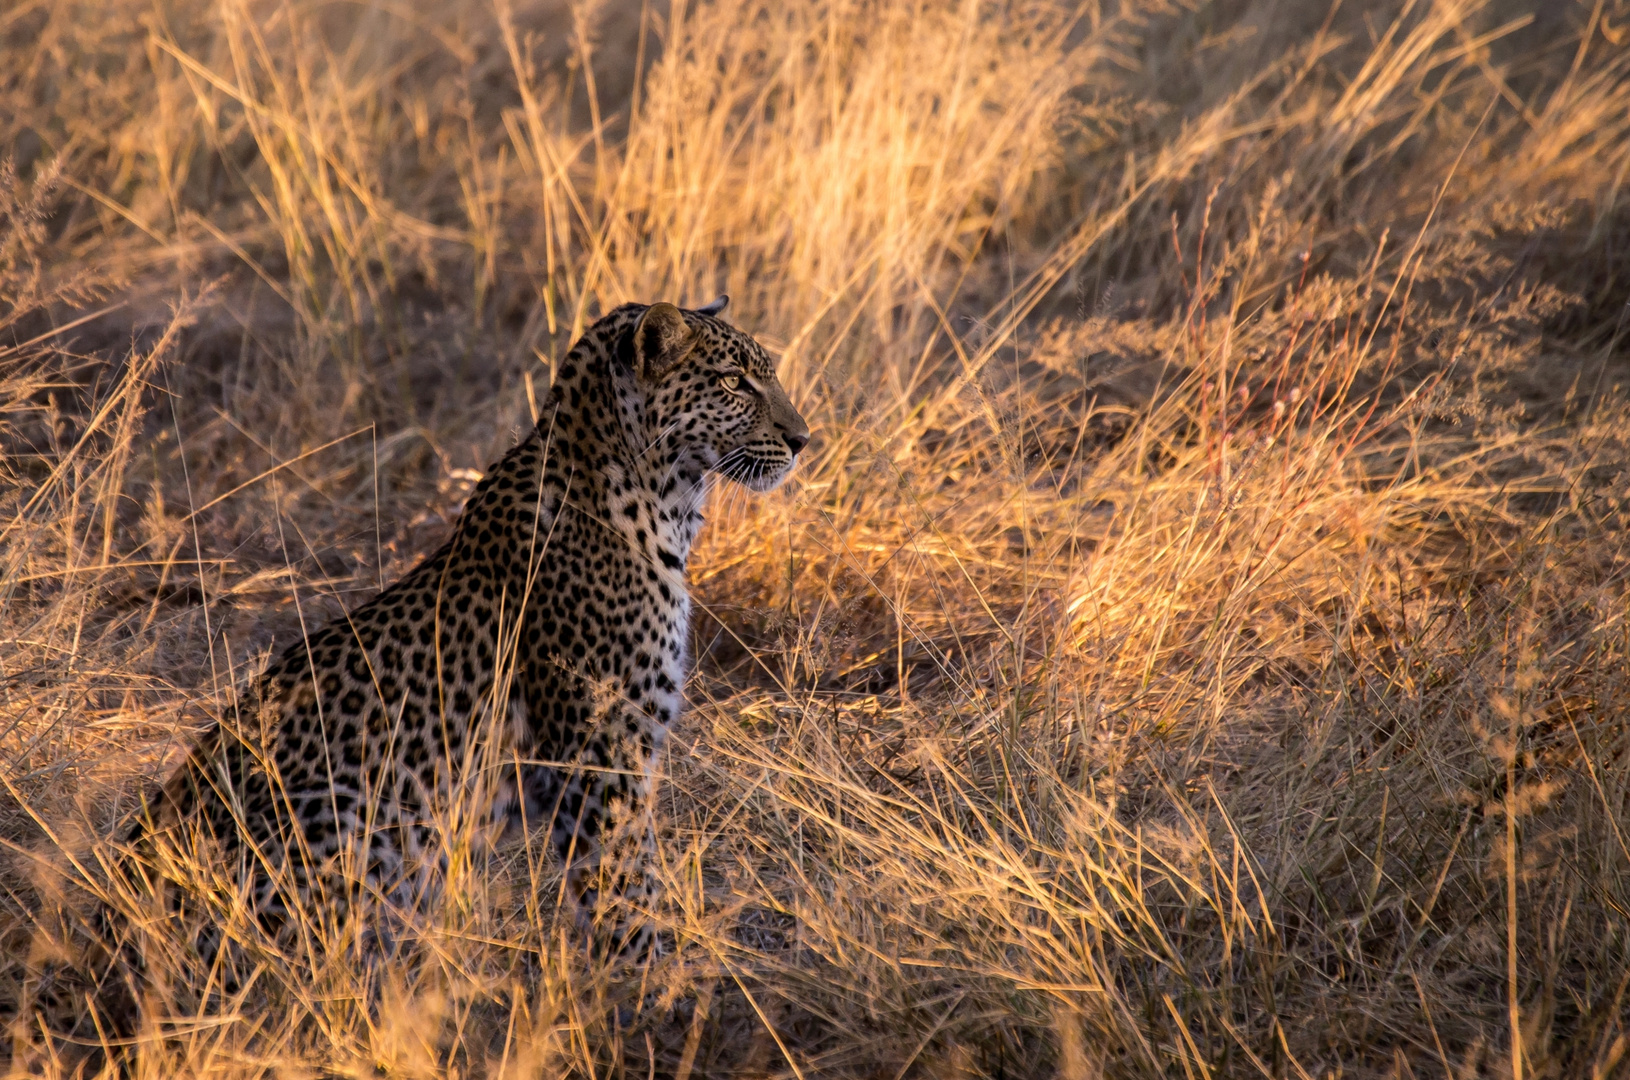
column 758, row 474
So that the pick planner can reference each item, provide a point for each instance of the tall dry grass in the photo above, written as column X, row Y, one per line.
column 1195, row 646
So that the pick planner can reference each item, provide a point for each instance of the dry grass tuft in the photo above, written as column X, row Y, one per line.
column 1195, row 646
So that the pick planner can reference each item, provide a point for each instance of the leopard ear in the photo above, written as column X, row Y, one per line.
column 715, row 306
column 662, row 340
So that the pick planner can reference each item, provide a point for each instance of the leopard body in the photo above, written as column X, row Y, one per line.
column 535, row 661
column 525, row 673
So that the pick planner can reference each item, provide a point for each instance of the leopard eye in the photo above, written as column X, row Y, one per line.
column 730, row 382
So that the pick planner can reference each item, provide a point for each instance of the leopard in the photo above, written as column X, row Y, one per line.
column 525, row 675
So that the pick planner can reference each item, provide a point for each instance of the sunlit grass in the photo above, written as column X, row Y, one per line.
column 1193, row 645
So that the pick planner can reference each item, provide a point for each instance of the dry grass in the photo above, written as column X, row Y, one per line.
column 1196, row 645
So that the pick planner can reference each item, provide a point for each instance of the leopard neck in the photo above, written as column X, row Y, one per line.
column 621, row 471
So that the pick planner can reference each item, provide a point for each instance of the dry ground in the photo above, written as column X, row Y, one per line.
column 1195, row 646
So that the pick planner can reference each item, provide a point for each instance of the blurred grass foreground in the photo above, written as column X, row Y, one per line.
column 1197, row 643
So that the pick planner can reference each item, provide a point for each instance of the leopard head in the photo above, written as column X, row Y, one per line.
column 712, row 400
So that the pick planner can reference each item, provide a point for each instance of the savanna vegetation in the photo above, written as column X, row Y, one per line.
column 1196, row 643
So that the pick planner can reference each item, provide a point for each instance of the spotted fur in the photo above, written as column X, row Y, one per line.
column 529, row 668
column 558, row 609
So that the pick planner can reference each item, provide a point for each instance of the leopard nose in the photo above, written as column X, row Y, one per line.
column 795, row 441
